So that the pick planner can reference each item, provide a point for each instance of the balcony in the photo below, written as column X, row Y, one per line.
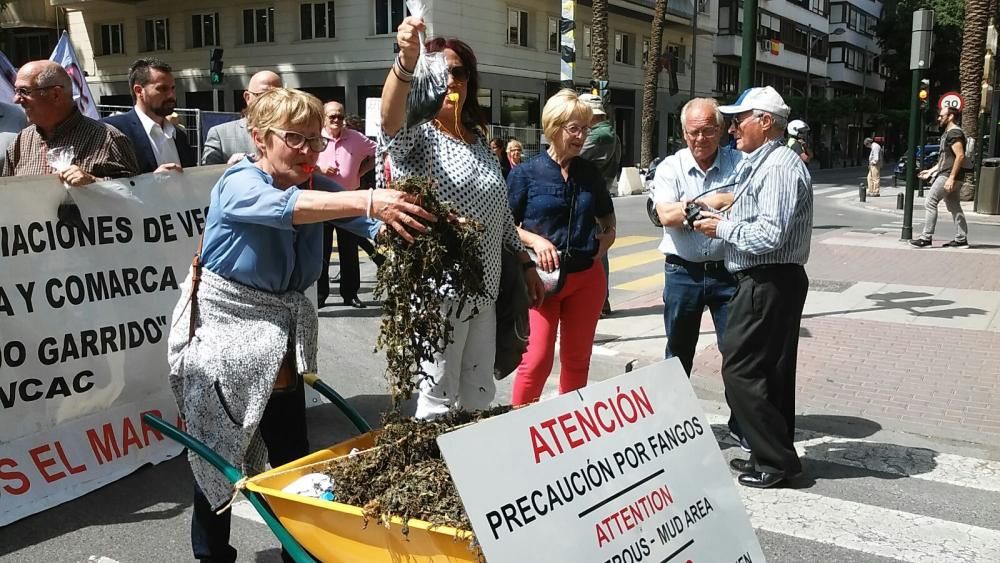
column 839, row 72
column 732, row 45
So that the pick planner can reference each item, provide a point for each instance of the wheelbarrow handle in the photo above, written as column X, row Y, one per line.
column 323, row 389
column 233, row 474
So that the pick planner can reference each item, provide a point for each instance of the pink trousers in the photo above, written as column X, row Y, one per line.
column 573, row 312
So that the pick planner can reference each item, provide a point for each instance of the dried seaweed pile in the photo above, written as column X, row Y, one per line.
column 404, row 474
column 415, row 282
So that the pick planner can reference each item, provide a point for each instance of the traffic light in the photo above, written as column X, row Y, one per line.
column 925, row 92
column 215, row 66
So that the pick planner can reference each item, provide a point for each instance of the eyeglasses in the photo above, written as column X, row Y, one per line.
column 27, row 92
column 706, row 132
column 335, row 117
column 459, row 73
column 737, row 123
column 576, row 130
column 297, row 140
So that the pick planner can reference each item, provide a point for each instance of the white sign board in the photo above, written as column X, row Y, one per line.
column 373, row 117
column 625, row 470
column 84, row 318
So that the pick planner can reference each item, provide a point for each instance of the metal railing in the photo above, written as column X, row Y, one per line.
column 531, row 139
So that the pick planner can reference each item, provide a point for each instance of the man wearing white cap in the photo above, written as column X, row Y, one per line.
column 767, row 228
column 604, row 149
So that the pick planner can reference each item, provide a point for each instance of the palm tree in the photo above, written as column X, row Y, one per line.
column 970, row 68
column 599, row 40
column 650, row 82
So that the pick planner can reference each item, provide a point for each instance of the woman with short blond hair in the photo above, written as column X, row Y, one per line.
column 566, row 216
column 243, row 334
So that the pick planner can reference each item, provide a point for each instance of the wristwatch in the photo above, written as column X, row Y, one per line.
column 528, row 265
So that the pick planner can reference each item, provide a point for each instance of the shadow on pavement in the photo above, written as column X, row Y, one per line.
column 911, row 302
column 829, row 227
column 154, row 492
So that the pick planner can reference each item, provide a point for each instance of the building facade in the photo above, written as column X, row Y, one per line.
column 28, row 30
column 816, row 49
column 342, row 49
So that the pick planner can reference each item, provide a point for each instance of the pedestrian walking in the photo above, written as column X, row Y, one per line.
column 452, row 149
column 767, row 231
column 948, row 175
column 244, row 333
column 348, row 156
column 875, row 158
column 565, row 214
column 695, row 274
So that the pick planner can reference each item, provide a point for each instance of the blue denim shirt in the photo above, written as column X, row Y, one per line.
column 540, row 201
column 250, row 239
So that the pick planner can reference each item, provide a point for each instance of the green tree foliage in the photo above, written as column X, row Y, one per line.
column 895, row 37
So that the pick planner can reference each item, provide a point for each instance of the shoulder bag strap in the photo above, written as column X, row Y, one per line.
column 195, row 282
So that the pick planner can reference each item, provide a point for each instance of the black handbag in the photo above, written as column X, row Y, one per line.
column 553, row 281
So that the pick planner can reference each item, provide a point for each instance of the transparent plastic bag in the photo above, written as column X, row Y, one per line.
column 430, row 78
column 60, row 158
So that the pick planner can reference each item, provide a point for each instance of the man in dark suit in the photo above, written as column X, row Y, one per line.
column 159, row 145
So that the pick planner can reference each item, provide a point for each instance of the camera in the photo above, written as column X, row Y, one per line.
column 692, row 212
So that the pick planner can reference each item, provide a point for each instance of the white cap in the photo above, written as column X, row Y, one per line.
column 797, row 127
column 764, row 99
column 595, row 102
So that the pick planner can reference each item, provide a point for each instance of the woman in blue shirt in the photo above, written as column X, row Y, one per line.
column 243, row 327
column 566, row 216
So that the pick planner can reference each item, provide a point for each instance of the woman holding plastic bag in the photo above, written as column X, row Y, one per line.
column 451, row 148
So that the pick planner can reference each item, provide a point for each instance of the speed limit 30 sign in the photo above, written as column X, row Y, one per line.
column 951, row 100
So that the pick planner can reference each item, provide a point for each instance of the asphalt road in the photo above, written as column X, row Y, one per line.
column 145, row 517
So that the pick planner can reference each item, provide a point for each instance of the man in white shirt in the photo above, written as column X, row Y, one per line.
column 158, row 145
column 874, row 167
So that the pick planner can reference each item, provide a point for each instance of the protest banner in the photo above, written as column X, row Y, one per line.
column 84, row 319
column 623, row 471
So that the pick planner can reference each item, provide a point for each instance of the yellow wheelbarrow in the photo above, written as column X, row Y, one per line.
column 317, row 530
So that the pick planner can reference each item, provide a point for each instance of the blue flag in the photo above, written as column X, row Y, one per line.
column 7, row 76
column 65, row 55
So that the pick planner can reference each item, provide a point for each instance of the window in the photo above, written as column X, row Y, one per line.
column 485, row 97
column 624, row 48
column 258, row 25
column 818, row 6
column 587, row 49
column 704, row 6
column 553, row 35
column 677, row 53
column 112, row 39
column 157, row 34
column 517, row 27
column 317, row 20
column 727, row 79
column 31, row 45
column 645, row 52
column 770, row 27
column 519, row 109
column 205, row 30
column 388, row 15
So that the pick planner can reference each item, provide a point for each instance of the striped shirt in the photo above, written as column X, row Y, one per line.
column 771, row 218
column 679, row 177
column 98, row 148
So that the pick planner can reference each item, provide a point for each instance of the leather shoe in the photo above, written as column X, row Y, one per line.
column 761, row 479
column 741, row 465
column 355, row 302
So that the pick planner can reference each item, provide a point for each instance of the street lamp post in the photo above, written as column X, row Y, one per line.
column 809, row 58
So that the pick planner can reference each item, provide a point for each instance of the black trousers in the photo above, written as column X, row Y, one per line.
column 759, row 352
column 283, row 428
column 350, row 269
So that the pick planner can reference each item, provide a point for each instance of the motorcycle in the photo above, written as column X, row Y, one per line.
column 647, row 175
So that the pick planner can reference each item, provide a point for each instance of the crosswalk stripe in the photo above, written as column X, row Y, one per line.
column 632, row 240
column 892, row 459
column 869, row 529
column 635, row 259
column 642, row 284
column 845, row 195
column 822, row 191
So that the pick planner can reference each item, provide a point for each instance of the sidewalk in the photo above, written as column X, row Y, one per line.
column 913, row 344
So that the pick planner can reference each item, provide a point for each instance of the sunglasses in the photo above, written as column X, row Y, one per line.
column 296, row 141
column 27, row 92
column 335, row 117
column 459, row 73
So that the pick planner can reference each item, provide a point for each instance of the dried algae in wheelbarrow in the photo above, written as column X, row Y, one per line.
column 404, row 475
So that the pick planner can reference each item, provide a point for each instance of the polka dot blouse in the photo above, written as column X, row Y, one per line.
column 468, row 176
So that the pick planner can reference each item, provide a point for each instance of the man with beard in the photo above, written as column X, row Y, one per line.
column 158, row 145
column 100, row 151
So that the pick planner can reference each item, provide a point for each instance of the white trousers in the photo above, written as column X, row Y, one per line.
column 462, row 377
